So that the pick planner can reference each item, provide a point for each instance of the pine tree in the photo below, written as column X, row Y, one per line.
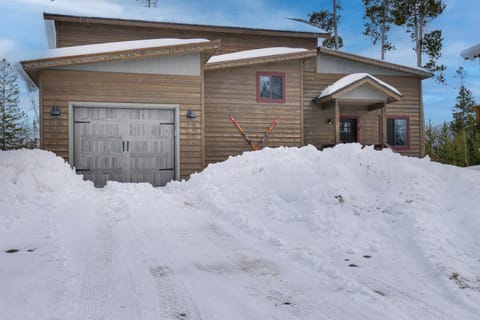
column 35, row 139
column 464, row 125
column 444, row 148
column 378, row 20
column 430, row 141
column 12, row 131
column 327, row 21
column 415, row 15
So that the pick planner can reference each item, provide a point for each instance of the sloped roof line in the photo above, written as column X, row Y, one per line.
column 116, row 51
column 256, row 56
column 351, row 79
column 424, row 74
column 180, row 25
column 354, row 81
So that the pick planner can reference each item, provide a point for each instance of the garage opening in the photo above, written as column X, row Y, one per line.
column 124, row 143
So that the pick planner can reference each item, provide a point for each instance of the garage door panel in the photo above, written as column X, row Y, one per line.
column 126, row 145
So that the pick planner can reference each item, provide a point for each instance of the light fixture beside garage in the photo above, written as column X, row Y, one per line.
column 55, row 111
column 191, row 114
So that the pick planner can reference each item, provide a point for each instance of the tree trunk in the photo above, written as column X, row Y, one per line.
column 385, row 4
column 419, row 33
column 335, row 31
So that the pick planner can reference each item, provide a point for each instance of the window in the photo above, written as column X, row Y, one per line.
column 270, row 87
column 397, row 131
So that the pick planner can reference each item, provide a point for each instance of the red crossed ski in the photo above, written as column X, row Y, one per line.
column 252, row 145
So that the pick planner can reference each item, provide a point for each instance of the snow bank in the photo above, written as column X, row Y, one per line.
column 284, row 233
column 36, row 171
column 331, row 209
column 44, row 208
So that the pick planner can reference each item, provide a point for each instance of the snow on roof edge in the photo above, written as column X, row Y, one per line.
column 350, row 79
column 136, row 14
column 471, row 53
column 51, row 33
column 112, row 47
column 254, row 53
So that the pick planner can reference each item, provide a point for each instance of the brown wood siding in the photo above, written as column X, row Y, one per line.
column 318, row 133
column 75, row 34
column 409, row 105
column 59, row 87
column 233, row 91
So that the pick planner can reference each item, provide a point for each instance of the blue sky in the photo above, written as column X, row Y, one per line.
column 22, row 31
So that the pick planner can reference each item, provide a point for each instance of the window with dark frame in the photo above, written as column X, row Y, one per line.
column 397, row 131
column 271, row 87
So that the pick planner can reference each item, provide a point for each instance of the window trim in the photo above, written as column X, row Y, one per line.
column 400, row 117
column 260, row 74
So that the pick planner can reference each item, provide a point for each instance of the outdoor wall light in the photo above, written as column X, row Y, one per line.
column 191, row 114
column 329, row 121
column 55, row 111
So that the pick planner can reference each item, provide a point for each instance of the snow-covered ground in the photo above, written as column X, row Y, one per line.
column 286, row 233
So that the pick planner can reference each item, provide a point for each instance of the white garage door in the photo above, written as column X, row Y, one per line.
column 125, row 145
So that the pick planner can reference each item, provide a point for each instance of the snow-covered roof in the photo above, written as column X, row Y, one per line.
column 112, row 47
column 472, row 52
column 149, row 15
column 114, row 51
column 351, row 79
column 256, row 56
column 255, row 53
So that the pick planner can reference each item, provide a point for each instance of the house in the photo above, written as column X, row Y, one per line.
column 131, row 100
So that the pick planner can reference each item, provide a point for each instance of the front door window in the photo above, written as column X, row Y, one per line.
column 348, row 130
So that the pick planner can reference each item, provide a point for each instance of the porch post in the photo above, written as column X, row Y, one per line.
column 383, row 138
column 337, row 122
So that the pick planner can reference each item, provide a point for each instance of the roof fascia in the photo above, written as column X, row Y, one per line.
column 391, row 95
column 260, row 60
column 182, row 26
column 32, row 67
column 423, row 74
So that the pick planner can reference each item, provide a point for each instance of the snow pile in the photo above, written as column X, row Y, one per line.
column 285, row 233
column 35, row 171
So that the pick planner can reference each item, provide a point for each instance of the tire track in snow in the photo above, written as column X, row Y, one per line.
column 174, row 300
column 97, row 279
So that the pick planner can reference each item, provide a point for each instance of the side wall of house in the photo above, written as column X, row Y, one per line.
column 233, row 91
column 318, row 133
column 75, row 34
column 59, row 87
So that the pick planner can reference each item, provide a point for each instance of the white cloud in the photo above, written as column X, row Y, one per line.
column 75, row 6
column 7, row 47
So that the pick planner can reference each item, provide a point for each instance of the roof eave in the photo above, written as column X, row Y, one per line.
column 423, row 74
column 183, row 26
column 32, row 67
column 392, row 96
column 259, row 60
